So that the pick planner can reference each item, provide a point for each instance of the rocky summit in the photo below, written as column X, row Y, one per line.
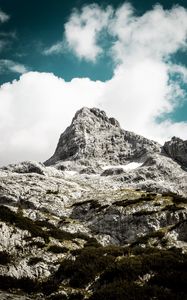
column 104, row 218
column 94, row 139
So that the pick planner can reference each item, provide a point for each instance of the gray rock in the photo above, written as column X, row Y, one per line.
column 176, row 148
column 58, row 206
column 113, row 171
column 94, row 141
column 88, row 170
column 94, row 138
column 26, row 167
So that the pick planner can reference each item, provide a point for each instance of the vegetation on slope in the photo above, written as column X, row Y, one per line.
column 94, row 272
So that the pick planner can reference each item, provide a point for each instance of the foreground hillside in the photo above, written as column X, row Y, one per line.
column 63, row 234
column 104, row 224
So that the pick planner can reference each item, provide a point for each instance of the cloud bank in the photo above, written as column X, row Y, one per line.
column 145, row 86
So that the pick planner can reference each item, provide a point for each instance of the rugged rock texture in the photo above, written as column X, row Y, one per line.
column 158, row 174
column 26, row 167
column 53, row 224
column 93, row 138
column 177, row 150
column 106, row 220
column 93, row 141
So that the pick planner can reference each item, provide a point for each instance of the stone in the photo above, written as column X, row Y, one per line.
column 26, row 167
column 176, row 148
column 113, row 171
column 93, row 137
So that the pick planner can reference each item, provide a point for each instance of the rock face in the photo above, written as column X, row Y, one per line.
column 26, row 167
column 93, row 141
column 54, row 224
column 102, row 219
column 94, row 138
column 177, row 150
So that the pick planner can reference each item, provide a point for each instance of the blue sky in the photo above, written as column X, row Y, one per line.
column 36, row 25
column 128, row 58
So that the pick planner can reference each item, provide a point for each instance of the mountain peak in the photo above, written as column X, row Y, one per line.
column 86, row 114
column 93, row 138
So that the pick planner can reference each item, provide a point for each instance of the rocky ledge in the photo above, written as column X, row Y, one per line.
column 177, row 150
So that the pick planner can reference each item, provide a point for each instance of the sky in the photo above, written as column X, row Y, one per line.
column 127, row 58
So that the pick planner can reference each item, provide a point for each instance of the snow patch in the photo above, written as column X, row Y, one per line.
column 128, row 167
column 70, row 173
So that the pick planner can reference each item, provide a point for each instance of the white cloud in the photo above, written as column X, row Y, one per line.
column 7, row 65
column 180, row 70
column 3, row 17
column 145, row 86
column 35, row 109
column 156, row 34
column 82, row 32
column 55, row 49
column 138, row 94
column 83, row 29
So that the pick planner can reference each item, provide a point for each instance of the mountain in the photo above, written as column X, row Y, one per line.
column 94, row 143
column 104, row 218
column 93, row 138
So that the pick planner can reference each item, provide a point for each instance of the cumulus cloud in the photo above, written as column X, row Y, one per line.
column 35, row 109
column 142, row 84
column 156, row 34
column 83, row 29
column 3, row 17
column 7, row 65
column 145, row 85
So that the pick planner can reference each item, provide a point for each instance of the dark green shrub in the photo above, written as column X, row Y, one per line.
column 49, row 286
column 57, row 249
column 172, row 279
column 26, row 284
column 92, row 242
column 175, row 198
column 127, row 202
column 128, row 269
column 172, row 208
column 88, row 264
column 92, row 203
column 144, row 213
column 52, row 192
column 77, row 296
column 34, row 260
column 58, row 297
column 132, row 291
column 45, row 223
column 24, row 223
column 115, row 250
column 37, row 244
column 120, row 290
column 5, row 258
column 144, row 239
column 61, row 234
